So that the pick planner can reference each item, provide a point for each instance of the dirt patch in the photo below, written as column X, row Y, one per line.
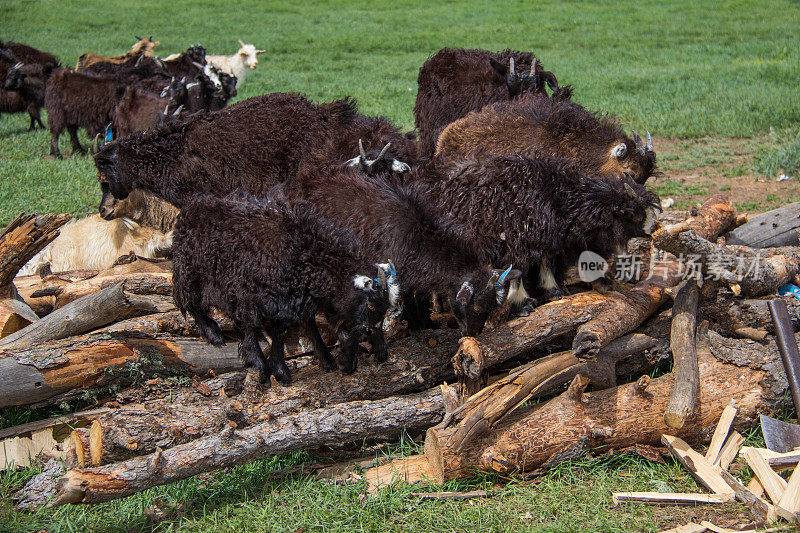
column 694, row 169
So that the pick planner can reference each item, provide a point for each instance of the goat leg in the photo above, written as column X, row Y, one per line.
column 54, row 135
column 73, row 137
column 277, row 364
column 321, row 351
column 379, row 348
column 350, row 348
column 251, row 354
column 207, row 326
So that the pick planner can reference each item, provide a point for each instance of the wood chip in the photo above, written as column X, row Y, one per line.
column 670, row 498
column 721, row 432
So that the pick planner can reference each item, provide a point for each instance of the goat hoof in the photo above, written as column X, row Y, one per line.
column 553, row 294
column 283, row 375
column 526, row 308
column 348, row 368
column 263, row 376
column 215, row 339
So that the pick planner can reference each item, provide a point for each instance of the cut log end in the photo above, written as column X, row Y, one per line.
column 469, row 360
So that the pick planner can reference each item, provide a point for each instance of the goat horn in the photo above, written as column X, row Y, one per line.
column 241, row 43
column 17, row 65
column 511, row 71
column 638, row 141
column 138, row 38
column 533, row 66
column 630, row 191
column 392, row 270
column 178, row 111
column 150, row 38
column 197, row 65
column 380, row 155
column 649, row 144
column 361, row 150
column 97, row 144
column 505, row 273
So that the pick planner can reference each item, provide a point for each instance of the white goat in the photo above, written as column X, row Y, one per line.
column 92, row 243
column 239, row 63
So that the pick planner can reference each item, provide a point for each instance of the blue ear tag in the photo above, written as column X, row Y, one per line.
column 391, row 270
column 377, row 282
column 109, row 133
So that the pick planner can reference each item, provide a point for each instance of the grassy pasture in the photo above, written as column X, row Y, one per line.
column 694, row 71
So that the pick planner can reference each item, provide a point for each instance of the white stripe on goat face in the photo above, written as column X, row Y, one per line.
column 393, row 284
column 363, row 283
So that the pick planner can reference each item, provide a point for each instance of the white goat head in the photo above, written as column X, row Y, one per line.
column 248, row 54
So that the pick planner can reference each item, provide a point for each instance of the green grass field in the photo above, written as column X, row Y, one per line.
column 681, row 69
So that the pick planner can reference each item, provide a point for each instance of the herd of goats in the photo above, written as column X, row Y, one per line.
column 276, row 208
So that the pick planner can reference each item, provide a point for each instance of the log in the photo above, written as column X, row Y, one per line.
column 24, row 238
column 343, row 423
column 778, row 227
column 14, row 315
column 538, row 436
column 85, row 314
column 415, row 363
column 683, row 397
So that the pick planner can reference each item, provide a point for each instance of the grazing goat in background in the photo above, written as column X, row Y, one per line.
column 12, row 100
column 29, row 82
column 28, row 54
column 391, row 222
column 537, row 213
column 189, row 63
column 456, row 81
column 251, row 145
column 289, row 264
column 142, row 208
column 142, row 48
column 80, row 99
column 238, row 64
column 530, row 125
column 92, row 243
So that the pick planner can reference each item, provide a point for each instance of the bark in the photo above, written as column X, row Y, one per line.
column 85, row 314
column 415, row 363
column 684, row 394
column 24, row 238
column 573, row 423
column 348, row 422
column 774, row 228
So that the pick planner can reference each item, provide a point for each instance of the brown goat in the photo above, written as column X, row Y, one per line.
column 531, row 125
column 141, row 207
column 143, row 47
column 456, row 81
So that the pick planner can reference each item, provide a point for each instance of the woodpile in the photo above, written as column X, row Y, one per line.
column 170, row 406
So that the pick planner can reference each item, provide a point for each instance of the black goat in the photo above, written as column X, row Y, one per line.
column 289, row 264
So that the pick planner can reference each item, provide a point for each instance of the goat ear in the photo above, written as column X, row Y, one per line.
column 499, row 67
column 465, row 293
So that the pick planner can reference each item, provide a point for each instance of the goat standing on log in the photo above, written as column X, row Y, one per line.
column 531, row 125
column 203, row 154
column 289, row 264
column 537, row 213
column 391, row 222
column 456, row 81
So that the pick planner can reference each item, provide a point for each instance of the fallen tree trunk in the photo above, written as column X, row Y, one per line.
column 778, row 227
column 683, row 397
column 85, row 314
column 573, row 423
column 343, row 423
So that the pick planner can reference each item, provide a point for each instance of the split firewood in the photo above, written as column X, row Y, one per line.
column 405, row 469
column 542, row 435
column 729, row 450
column 721, row 432
column 339, row 424
column 669, row 498
column 85, row 314
column 761, row 508
column 683, row 397
column 789, row 506
column 774, row 485
column 697, row 465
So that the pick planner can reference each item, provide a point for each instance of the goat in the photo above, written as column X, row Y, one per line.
column 251, row 145
column 135, row 71
column 27, row 54
column 29, row 82
column 142, row 48
column 529, row 124
column 238, row 64
column 456, row 81
column 289, row 264
column 390, row 221
column 93, row 243
column 139, row 109
column 189, row 63
column 79, row 99
column 142, row 208
column 538, row 213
